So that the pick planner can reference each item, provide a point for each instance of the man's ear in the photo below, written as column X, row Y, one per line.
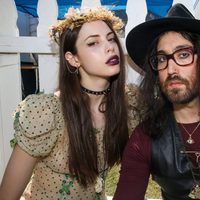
column 72, row 59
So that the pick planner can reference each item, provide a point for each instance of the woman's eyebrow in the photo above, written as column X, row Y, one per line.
column 97, row 35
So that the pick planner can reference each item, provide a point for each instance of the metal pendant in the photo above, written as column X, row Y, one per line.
column 190, row 140
column 195, row 192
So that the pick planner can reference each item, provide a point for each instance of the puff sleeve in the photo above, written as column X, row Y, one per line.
column 37, row 123
column 134, row 111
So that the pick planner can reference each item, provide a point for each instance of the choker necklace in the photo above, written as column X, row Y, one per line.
column 190, row 140
column 104, row 92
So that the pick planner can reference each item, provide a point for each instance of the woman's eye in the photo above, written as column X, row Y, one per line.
column 92, row 43
column 112, row 39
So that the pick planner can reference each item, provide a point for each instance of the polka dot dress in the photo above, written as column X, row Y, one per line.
column 40, row 131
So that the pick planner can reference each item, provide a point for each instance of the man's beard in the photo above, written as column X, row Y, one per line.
column 179, row 95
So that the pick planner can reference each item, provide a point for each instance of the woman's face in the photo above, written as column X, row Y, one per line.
column 97, row 53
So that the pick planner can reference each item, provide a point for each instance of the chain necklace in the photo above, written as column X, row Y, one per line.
column 195, row 171
column 196, row 153
column 195, row 191
column 190, row 140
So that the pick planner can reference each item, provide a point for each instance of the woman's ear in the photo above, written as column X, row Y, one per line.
column 72, row 59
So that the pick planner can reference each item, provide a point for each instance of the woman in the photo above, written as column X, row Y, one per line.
column 66, row 142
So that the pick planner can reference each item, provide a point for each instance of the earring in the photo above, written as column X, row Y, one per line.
column 74, row 71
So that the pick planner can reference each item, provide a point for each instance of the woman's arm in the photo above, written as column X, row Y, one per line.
column 17, row 174
column 135, row 169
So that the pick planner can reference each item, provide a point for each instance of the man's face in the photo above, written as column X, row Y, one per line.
column 178, row 83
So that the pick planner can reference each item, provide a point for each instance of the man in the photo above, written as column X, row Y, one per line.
column 167, row 143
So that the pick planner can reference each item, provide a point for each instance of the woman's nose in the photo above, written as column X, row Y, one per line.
column 109, row 47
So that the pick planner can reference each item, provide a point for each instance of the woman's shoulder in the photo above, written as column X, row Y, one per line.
column 34, row 98
column 131, row 91
column 37, row 121
column 39, row 102
column 38, row 112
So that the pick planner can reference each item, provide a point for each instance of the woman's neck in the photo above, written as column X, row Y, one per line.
column 96, row 86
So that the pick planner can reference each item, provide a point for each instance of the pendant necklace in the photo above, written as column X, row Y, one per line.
column 190, row 140
column 195, row 191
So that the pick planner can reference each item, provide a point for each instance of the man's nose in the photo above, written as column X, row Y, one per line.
column 172, row 67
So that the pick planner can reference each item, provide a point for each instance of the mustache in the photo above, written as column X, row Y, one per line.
column 175, row 78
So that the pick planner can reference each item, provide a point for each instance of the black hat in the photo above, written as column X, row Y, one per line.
column 140, row 37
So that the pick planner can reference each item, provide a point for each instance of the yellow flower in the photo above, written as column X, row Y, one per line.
column 75, row 18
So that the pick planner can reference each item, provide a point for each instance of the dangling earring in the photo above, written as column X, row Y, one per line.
column 156, row 90
column 74, row 71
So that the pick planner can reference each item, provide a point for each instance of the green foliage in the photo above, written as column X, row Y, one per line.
column 111, row 180
column 153, row 190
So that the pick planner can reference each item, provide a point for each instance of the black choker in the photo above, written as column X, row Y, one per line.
column 104, row 92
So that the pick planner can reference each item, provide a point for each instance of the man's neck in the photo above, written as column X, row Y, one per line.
column 187, row 113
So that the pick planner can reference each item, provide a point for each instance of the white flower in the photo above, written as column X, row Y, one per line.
column 99, row 185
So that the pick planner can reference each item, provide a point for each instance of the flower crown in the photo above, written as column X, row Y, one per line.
column 75, row 18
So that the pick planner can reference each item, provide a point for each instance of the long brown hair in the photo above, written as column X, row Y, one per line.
column 158, row 108
column 76, row 111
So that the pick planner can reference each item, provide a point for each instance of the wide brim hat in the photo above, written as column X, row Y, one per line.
column 140, row 38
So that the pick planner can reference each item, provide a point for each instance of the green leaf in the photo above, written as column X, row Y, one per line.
column 13, row 142
column 97, row 196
